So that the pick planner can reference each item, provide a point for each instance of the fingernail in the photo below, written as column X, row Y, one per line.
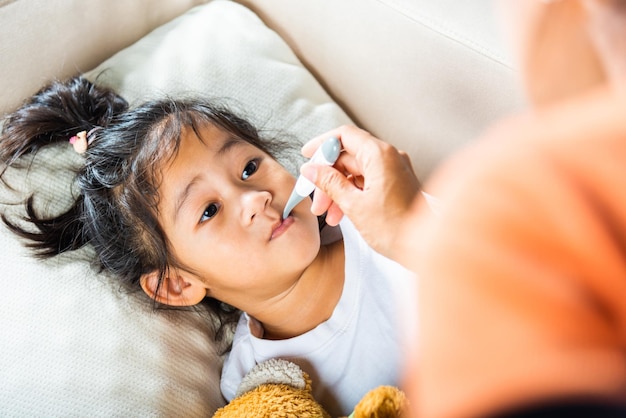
column 309, row 171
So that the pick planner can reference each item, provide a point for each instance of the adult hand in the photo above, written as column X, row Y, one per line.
column 372, row 183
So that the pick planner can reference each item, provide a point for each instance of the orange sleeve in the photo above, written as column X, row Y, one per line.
column 523, row 277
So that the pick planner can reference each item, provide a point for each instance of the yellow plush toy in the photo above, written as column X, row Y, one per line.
column 382, row 402
column 278, row 388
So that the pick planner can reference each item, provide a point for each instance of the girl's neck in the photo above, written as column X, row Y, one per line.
column 312, row 300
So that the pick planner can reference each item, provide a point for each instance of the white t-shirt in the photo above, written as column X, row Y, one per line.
column 357, row 349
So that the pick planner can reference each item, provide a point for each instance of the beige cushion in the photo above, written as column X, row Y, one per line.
column 71, row 344
column 40, row 39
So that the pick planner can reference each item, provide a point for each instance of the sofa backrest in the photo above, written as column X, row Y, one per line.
column 425, row 75
column 41, row 39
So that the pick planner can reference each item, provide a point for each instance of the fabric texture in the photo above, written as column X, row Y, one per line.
column 72, row 342
column 360, row 347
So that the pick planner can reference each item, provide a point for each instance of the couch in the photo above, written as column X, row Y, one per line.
column 427, row 76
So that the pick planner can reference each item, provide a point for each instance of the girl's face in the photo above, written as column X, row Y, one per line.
column 221, row 209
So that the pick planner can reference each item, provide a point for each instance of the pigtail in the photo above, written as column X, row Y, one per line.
column 53, row 235
column 56, row 113
column 53, row 115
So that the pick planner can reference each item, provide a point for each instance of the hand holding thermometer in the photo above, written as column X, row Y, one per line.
column 326, row 154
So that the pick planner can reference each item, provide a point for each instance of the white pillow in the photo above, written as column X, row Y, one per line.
column 223, row 50
column 72, row 344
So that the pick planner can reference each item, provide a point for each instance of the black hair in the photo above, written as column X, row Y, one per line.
column 115, row 210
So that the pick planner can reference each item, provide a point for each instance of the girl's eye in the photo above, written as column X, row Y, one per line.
column 209, row 212
column 250, row 169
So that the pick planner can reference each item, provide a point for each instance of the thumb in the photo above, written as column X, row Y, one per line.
column 336, row 186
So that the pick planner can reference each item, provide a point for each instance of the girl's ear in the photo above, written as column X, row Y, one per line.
column 174, row 290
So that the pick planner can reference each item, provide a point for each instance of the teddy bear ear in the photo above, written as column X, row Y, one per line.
column 383, row 401
column 274, row 371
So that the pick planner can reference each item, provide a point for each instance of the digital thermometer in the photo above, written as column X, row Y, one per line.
column 326, row 154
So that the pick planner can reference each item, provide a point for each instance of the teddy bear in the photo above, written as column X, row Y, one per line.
column 279, row 388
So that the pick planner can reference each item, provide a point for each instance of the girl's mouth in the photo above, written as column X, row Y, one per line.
column 282, row 227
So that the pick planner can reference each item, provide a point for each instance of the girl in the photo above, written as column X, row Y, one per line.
column 184, row 199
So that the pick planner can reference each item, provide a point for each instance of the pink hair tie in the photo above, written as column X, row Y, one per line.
column 80, row 142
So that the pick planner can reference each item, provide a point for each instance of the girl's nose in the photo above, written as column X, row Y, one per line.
column 253, row 203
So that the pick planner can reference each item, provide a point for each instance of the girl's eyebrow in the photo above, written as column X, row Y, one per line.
column 182, row 197
column 229, row 144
